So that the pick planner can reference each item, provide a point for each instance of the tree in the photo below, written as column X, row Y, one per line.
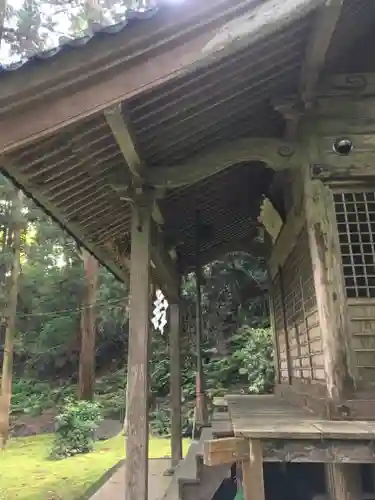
column 7, row 371
column 88, row 332
column 3, row 8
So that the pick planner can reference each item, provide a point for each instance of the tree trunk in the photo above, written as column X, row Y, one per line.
column 87, row 354
column 7, row 371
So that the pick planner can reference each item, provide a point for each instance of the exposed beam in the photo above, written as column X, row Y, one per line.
column 125, row 141
column 327, row 19
column 124, row 137
column 35, row 104
column 277, row 154
column 166, row 269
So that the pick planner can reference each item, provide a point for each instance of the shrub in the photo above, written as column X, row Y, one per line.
column 75, row 428
column 253, row 356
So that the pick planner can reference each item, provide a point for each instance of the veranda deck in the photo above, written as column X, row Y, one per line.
column 289, row 433
column 272, row 417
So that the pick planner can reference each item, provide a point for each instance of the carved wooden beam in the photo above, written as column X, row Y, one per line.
column 275, row 153
column 327, row 18
column 165, row 271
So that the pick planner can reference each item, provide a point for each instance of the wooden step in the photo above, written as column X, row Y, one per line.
column 192, row 480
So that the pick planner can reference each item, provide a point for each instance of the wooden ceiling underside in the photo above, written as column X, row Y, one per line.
column 63, row 152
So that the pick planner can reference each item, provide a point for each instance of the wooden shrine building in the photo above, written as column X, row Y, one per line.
column 261, row 115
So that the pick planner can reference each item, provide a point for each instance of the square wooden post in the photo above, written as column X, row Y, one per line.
column 344, row 481
column 175, row 383
column 329, row 288
column 136, row 484
column 252, row 472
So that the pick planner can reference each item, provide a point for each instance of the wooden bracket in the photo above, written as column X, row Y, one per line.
column 247, row 451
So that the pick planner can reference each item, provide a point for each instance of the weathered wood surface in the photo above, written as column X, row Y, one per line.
column 329, row 288
column 221, row 426
column 252, row 472
column 225, row 34
column 320, row 40
column 138, row 358
column 175, row 383
column 344, row 482
column 229, row 450
column 225, row 451
column 270, row 417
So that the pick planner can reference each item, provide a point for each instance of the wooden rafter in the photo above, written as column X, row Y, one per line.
column 327, row 19
column 74, row 229
column 121, row 130
column 66, row 94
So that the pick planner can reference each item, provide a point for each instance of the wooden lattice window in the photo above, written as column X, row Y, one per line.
column 355, row 215
column 298, row 281
column 293, row 301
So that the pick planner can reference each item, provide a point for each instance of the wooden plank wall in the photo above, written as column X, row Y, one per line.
column 296, row 316
column 362, row 329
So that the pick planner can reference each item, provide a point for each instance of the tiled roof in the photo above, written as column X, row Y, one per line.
column 66, row 43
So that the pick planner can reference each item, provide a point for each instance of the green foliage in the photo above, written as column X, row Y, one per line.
column 236, row 345
column 30, row 397
column 160, row 422
column 253, row 351
column 75, row 428
column 110, row 393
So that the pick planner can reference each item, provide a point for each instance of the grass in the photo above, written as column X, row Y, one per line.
column 26, row 473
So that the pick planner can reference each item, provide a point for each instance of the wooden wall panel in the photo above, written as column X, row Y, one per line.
column 296, row 317
column 362, row 329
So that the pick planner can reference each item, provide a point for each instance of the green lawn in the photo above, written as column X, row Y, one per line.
column 26, row 473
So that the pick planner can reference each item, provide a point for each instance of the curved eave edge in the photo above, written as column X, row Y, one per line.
column 117, row 272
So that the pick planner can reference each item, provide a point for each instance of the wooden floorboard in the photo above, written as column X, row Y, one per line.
column 271, row 417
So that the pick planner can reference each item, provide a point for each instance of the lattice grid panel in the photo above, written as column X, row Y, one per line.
column 298, row 281
column 296, row 293
column 355, row 215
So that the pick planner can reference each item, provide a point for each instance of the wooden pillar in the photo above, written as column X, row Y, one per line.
column 175, row 383
column 329, row 288
column 344, row 481
column 276, row 345
column 252, row 472
column 285, row 324
column 201, row 404
column 139, row 336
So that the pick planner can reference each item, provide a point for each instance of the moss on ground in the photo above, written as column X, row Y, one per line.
column 28, row 474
